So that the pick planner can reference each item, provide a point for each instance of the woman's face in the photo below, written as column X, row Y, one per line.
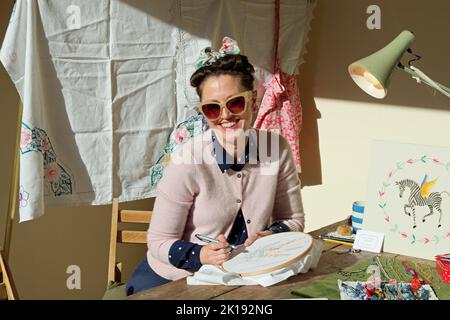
column 228, row 127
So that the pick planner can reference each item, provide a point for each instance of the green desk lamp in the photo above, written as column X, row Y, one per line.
column 372, row 74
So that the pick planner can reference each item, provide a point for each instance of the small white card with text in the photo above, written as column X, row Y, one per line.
column 368, row 241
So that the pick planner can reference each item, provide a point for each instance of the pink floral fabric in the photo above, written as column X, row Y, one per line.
column 281, row 112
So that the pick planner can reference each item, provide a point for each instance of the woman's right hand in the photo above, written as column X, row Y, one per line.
column 215, row 253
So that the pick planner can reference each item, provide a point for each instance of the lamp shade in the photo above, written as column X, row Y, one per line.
column 372, row 74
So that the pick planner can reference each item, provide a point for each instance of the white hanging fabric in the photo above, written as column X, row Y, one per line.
column 105, row 87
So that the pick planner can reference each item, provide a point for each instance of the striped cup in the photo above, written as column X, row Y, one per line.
column 357, row 215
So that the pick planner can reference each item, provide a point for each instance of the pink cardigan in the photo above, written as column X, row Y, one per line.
column 194, row 196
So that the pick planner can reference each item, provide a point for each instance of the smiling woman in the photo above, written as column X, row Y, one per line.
column 244, row 187
column 225, row 106
column 224, row 83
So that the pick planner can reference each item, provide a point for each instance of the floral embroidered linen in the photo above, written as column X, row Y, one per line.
column 105, row 87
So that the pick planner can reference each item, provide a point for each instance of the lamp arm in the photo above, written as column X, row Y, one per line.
column 422, row 77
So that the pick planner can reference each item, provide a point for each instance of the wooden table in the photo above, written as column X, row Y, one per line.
column 331, row 261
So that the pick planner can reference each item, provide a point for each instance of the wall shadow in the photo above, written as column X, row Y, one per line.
column 338, row 37
column 341, row 37
column 311, row 174
column 8, row 127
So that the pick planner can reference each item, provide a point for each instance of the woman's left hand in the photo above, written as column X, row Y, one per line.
column 255, row 236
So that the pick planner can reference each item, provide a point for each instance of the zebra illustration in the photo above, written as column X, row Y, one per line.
column 420, row 198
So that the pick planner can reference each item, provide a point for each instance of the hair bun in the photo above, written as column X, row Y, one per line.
column 235, row 62
column 230, row 64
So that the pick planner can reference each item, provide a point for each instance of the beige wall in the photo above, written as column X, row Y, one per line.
column 42, row 249
column 340, row 123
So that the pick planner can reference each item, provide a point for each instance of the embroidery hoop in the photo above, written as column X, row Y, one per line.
column 284, row 249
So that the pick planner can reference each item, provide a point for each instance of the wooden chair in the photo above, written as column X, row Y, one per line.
column 7, row 288
column 121, row 234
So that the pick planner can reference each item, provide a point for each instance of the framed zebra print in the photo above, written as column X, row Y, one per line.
column 409, row 198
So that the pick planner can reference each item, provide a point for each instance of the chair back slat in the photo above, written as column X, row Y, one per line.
column 135, row 216
column 127, row 236
column 123, row 233
column 3, row 293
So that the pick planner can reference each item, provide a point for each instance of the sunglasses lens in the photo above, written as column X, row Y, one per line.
column 211, row 110
column 236, row 105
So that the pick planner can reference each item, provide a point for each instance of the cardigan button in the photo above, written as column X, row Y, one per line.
column 239, row 175
column 248, row 221
column 238, row 200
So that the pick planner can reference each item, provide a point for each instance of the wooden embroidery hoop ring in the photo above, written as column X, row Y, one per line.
column 277, row 267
